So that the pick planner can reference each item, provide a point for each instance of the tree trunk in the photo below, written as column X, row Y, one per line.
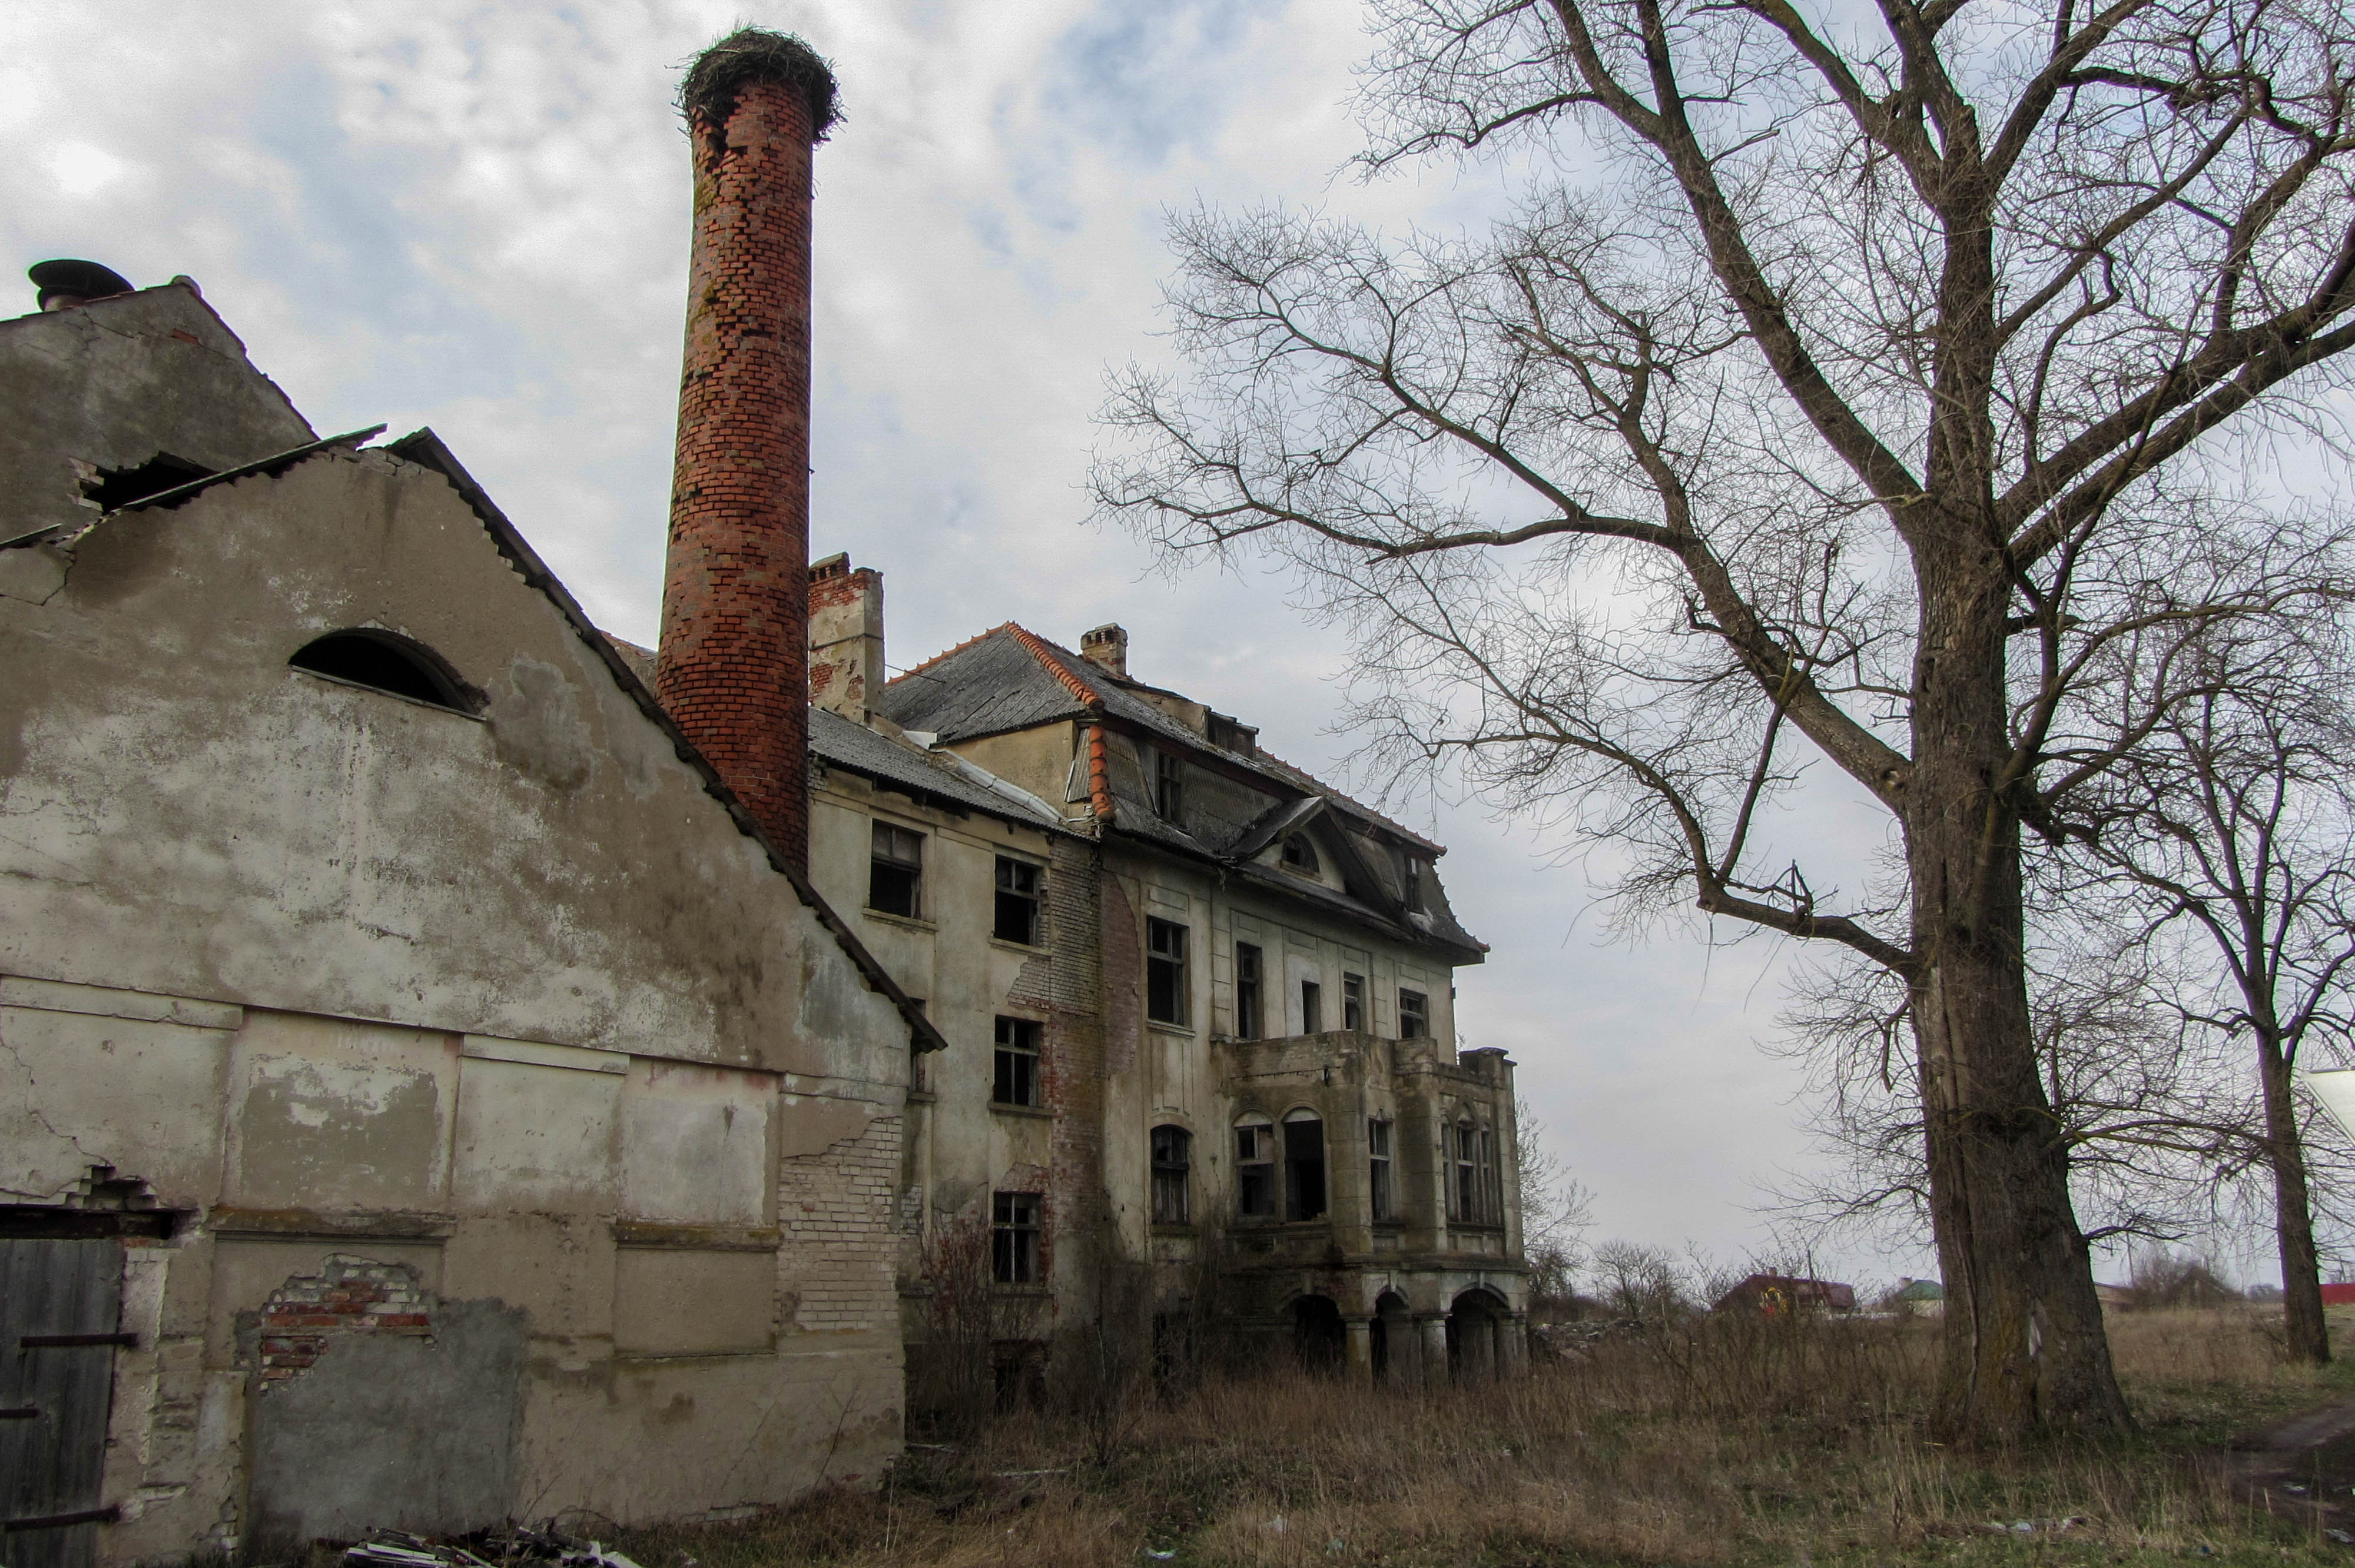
column 2308, row 1337
column 2024, row 1343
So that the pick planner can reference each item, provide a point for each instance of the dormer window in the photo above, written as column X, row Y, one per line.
column 1168, row 786
column 1300, row 855
column 386, row 662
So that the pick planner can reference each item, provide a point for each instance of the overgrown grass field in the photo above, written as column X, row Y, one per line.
column 1709, row 1441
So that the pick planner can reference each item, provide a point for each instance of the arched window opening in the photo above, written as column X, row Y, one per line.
column 1475, row 1334
column 1300, row 854
column 1304, row 1166
column 1255, row 1169
column 1391, row 1336
column 384, row 662
column 1173, row 1155
column 1319, row 1334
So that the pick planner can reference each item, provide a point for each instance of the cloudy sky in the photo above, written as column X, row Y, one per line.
column 474, row 215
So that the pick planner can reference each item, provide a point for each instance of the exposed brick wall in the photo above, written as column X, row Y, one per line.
column 347, row 1295
column 732, row 666
column 845, row 635
column 837, row 1210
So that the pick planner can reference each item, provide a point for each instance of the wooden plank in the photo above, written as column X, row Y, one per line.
column 67, row 1293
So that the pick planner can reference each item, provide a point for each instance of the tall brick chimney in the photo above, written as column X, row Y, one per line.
column 732, row 663
column 845, row 636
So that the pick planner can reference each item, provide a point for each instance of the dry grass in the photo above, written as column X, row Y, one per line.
column 1710, row 1442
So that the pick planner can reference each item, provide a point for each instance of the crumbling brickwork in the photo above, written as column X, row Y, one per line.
column 837, row 1210
column 349, row 1295
column 733, row 664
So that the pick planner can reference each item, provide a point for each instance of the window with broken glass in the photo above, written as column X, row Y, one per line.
column 1247, row 991
column 1173, row 1150
column 1414, row 1014
column 895, row 875
column 1353, row 1002
column 1164, row 972
column 1467, row 1191
column 1377, row 1169
column 1017, row 1079
column 1168, row 786
column 1018, row 902
column 1304, row 1166
column 1014, row 1238
column 1255, row 1171
column 1300, row 854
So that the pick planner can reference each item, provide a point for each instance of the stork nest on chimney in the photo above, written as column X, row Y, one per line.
column 722, row 73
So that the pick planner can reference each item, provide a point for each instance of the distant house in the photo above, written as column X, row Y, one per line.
column 2121, row 1296
column 1919, row 1297
column 2339, row 1295
column 1777, row 1293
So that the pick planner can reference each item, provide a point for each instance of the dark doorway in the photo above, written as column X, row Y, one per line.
column 60, row 1320
column 1474, row 1336
column 1304, row 1168
column 1317, row 1335
column 1393, row 1330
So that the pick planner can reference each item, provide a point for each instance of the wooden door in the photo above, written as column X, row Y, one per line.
column 60, row 1317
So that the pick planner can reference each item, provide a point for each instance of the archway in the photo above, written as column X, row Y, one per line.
column 1318, row 1337
column 1475, row 1335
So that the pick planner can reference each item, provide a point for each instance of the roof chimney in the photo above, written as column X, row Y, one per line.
column 1108, row 646
column 845, row 636
column 732, row 664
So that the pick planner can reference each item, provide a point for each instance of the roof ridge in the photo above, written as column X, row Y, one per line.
column 1038, row 647
column 950, row 652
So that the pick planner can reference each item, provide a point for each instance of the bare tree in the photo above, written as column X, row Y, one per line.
column 2229, row 836
column 1834, row 394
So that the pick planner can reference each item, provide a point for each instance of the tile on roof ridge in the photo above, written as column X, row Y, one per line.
column 1038, row 647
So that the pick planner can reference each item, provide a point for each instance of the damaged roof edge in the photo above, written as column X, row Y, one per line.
column 426, row 449
column 276, row 462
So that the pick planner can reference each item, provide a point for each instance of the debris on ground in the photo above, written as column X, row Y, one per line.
column 2036, row 1526
column 499, row 1547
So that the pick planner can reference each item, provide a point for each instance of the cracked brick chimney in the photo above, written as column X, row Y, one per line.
column 1108, row 646
column 733, row 662
column 845, row 636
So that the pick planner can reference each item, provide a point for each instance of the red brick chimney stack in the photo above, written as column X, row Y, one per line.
column 733, row 662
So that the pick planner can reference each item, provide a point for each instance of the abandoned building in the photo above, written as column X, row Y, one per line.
column 456, row 1066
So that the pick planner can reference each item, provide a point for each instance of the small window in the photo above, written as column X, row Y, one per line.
column 1312, row 1008
column 1414, row 1015
column 1018, row 902
column 384, row 662
column 1378, row 1168
column 1411, row 873
column 1168, row 786
column 1304, row 1166
column 1016, row 1082
column 1300, row 854
column 895, row 878
column 1468, row 1173
column 1247, row 991
column 1164, row 972
column 1353, row 1002
column 1014, row 1238
column 1172, row 1159
column 1255, row 1171
column 1492, row 1194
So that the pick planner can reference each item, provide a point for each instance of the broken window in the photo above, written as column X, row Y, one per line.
column 1414, row 1014
column 1411, row 875
column 1247, row 991
column 1017, row 1079
column 1169, row 785
column 1304, row 1166
column 1018, row 902
column 1255, row 1171
column 1014, row 1238
column 1172, row 1159
column 384, row 661
column 1164, row 970
column 1300, row 854
column 1353, row 1002
column 895, row 877
column 1377, row 1169
column 1468, row 1173
column 1312, row 1008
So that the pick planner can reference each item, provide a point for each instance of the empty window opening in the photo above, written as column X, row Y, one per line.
column 1475, row 1196
column 1312, row 1008
column 1353, row 1002
column 1300, row 854
column 1413, row 876
column 383, row 661
column 118, row 487
column 1164, row 972
column 1016, row 1082
column 1255, row 1171
column 895, row 878
column 1247, row 991
column 1018, row 902
column 1014, row 1238
column 1173, row 1155
column 1304, row 1166
column 1414, row 1014
column 1377, row 1169
column 1168, row 786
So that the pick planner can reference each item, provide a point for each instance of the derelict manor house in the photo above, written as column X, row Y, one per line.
column 456, row 1066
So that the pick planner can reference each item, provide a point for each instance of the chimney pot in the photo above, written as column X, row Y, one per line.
column 63, row 284
column 1106, row 646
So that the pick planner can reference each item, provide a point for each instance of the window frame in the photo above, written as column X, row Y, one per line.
column 1016, row 1239
column 1167, row 964
column 1251, row 966
column 1420, row 1011
column 1255, row 1162
column 1170, row 1155
column 1023, row 1056
column 1381, row 1200
column 1299, row 854
column 1007, row 897
column 881, row 832
column 1169, row 785
column 1353, row 1002
column 1312, row 1007
column 1298, row 1207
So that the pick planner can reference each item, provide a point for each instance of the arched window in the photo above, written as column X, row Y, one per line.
column 386, row 662
column 1304, row 1165
column 1300, row 854
column 1255, row 1167
column 1173, row 1159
